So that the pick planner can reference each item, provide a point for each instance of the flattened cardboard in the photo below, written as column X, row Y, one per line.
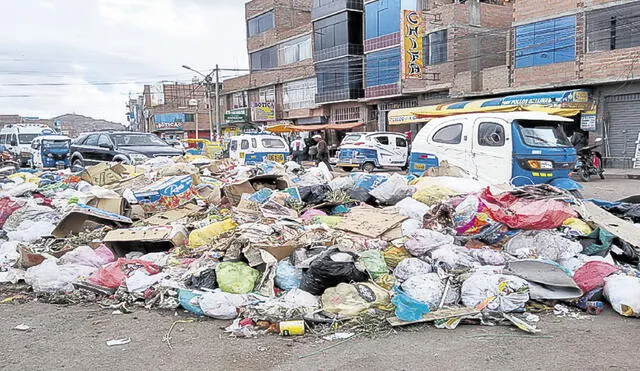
column 235, row 191
column 170, row 216
column 113, row 205
column 625, row 230
column 72, row 221
column 369, row 222
column 145, row 239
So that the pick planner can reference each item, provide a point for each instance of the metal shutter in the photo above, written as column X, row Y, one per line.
column 622, row 114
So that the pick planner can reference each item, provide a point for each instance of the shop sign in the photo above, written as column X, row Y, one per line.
column 411, row 28
column 263, row 111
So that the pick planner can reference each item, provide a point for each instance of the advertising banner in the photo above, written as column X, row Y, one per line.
column 411, row 32
column 263, row 111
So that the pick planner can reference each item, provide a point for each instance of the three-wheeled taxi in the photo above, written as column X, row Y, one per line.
column 50, row 152
column 250, row 149
column 515, row 147
column 370, row 151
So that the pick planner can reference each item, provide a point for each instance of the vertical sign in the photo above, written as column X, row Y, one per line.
column 411, row 39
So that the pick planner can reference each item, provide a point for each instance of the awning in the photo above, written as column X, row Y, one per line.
column 286, row 128
column 565, row 103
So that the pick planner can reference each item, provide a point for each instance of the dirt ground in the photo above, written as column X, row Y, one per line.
column 74, row 338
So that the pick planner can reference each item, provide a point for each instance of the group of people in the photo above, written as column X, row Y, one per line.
column 319, row 154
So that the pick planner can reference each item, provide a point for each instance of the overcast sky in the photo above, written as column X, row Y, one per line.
column 87, row 56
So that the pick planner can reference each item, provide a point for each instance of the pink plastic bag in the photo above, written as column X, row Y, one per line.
column 114, row 274
column 591, row 275
column 105, row 253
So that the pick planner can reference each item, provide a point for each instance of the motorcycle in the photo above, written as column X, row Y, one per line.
column 590, row 162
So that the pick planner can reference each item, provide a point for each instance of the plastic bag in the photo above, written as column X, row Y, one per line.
column 428, row 288
column 85, row 255
column 287, row 276
column 140, row 280
column 236, row 277
column 394, row 255
column 315, row 194
column 412, row 209
column 432, row 195
column 114, row 274
column 30, row 231
column 205, row 279
column 342, row 184
column 409, row 226
column 352, row 299
column 7, row 207
column 373, row 260
column 591, row 275
column 623, row 292
column 393, row 190
column 411, row 267
column 221, row 305
column 548, row 245
column 189, row 299
column 407, row 308
column 486, row 256
column 205, row 235
column 597, row 242
column 386, row 281
column 576, row 227
column 331, row 269
column 471, row 216
column 452, row 183
column 51, row 277
column 424, row 240
column 308, row 215
column 496, row 292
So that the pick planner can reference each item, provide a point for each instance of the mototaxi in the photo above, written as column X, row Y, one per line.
column 50, row 152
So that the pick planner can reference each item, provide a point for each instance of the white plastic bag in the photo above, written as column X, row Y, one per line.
column 409, row 226
column 424, row 240
column 412, row 208
column 83, row 255
column 486, row 256
column 507, row 293
column 623, row 292
column 51, row 277
column 140, row 280
column 542, row 244
column 30, row 231
column 9, row 254
column 426, row 288
column 393, row 190
column 221, row 305
column 342, row 184
column 410, row 267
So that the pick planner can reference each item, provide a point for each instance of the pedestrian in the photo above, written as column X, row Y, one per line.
column 297, row 148
column 323, row 151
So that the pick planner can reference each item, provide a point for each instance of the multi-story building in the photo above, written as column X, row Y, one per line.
column 281, row 85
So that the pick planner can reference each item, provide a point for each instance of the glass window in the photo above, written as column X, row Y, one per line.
column 435, row 47
column 92, row 140
column 613, row 27
column 244, row 144
column 490, row 134
column 299, row 94
column 267, row 95
column 382, row 17
column 451, row 134
column 543, row 134
column 138, row 140
column 272, row 143
column 27, row 138
column 295, row 50
column 331, row 31
column 189, row 117
column 240, row 99
column 261, row 23
column 264, row 59
column 104, row 140
column 13, row 138
column 339, row 74
column 401, row 142
column 382, row 140
column 3, row 138
column 254, row 143
column 546, row 42
column 233, row 145
column 351, row 138
column 382, row 67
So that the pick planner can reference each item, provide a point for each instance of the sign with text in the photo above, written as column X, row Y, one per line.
column 169, row 125
column 411, row 32
column 237, row 115
column 263, row 111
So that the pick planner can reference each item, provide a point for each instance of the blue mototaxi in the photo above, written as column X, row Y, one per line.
column 519, row 148
column 50, row 152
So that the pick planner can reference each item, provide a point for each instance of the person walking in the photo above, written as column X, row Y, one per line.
column 297, row 148
column 323, row 151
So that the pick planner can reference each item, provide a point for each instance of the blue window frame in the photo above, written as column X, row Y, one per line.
column 546, row 42
column 382, row 17
column 382, row 67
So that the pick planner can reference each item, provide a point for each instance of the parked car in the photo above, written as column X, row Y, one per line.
column 119, row 146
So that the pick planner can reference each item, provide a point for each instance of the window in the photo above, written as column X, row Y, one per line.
column 613, row 28
column 299, row 94
column 451, row 134
column 264, row 59
column 346, row 114
column 382, row 17
column 13, row 139
column 244, row 144
column 401, row 142
column 382, row 67
column 240, row 100
column 382, row 140
column 233, row 145
column 272, row 143
column 540, row 134
column 261, row 23
column 27, row 138
column 295, row 50
column 339, row 75
column 267, row 95
column 546, row 42
column 189, row 117
column 351, row 138
column 92, row 140
column 490, row 134
column 435, row 47
column 104, row 140
column 3, row 138
column 254, row 143
column 138, row 140
column 331, row 32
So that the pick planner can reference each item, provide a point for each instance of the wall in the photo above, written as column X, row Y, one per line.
column 617, row 64
column 531, row 10
column 292, row 17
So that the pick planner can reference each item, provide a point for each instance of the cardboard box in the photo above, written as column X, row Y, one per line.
column 103, row 174
column 145, row 239
column 72, row 221
column 117, row 205
column 170, row 216
column 167, row 194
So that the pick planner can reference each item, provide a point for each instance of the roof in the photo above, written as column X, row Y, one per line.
column 508, row 116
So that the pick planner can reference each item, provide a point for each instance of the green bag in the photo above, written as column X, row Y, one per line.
column 236, row 277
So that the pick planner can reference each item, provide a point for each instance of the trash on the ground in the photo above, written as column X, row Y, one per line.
column 117, row 342
column 22, row 327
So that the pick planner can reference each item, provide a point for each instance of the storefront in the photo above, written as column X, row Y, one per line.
column 169, row 125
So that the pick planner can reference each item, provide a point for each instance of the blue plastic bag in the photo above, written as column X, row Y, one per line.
column 288, row 277
column 407, row 308
column 185, row 297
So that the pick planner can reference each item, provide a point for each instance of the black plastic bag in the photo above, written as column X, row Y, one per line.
column 361, row 194
column 315, row 194
column 203, row 280
column 629, row 254
column 326, row 272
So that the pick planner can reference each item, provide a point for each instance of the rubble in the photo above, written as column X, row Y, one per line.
column 283, row 249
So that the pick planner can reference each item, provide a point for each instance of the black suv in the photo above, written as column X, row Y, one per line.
column 118, row 146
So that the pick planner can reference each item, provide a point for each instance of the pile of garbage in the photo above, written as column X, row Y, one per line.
column 284, row 249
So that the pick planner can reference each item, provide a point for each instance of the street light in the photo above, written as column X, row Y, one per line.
column 208, row 79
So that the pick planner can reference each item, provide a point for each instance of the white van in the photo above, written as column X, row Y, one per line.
column 17, row 138
column 370, row 151
column 250, row 149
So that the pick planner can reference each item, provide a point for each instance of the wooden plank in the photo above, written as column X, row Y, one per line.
column 625, row 230
column 439, row 314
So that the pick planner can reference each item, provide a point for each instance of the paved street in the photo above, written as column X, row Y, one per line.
column 611, row 189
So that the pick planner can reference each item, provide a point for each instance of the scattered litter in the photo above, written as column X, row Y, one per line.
column 22, row 327
column 117, row 342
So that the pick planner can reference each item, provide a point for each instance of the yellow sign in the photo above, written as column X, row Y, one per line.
column 263, row 111
column 412, row 28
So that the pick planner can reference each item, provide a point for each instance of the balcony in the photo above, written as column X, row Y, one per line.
column 339, row 95
column 323, row 8
column 337, row 52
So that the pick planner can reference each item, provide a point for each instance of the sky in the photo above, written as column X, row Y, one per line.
column 88, row 56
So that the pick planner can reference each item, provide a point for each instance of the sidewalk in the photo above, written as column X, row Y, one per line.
column 622, row 173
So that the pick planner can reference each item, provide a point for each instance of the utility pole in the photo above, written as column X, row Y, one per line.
column 218, row 118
